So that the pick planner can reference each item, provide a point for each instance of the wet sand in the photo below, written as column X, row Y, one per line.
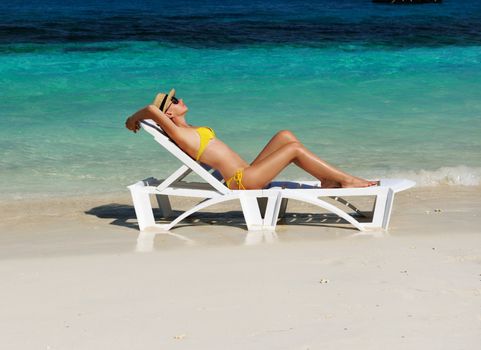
column 75, row 275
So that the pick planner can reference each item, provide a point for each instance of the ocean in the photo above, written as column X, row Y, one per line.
column 377, row 90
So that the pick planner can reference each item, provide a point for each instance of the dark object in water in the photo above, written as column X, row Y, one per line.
column 408, row 2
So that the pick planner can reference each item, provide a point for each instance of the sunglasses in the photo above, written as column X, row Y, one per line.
column 174, row 100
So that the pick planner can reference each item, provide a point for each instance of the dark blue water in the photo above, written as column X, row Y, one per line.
column 217, row 24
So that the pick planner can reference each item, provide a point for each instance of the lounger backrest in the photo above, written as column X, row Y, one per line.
column 161, row 137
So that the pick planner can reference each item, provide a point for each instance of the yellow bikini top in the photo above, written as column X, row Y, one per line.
column 206, row 134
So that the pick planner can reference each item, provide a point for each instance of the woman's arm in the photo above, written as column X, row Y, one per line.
column 152, row 112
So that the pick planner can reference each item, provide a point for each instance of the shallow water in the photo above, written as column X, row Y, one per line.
column 407, row 107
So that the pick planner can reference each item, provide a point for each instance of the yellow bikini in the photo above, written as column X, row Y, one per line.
column 206, row 134
column 237, row 178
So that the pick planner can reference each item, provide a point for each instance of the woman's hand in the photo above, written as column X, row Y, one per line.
column 132, row 124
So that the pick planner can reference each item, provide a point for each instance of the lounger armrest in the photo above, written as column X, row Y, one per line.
column 153, row 125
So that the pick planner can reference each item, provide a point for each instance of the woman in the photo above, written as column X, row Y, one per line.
column 201, row 144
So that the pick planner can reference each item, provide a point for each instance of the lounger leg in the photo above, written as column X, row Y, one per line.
column 388, row 210
column 274, row 202
column 283, row 208
column 379, row 211
column 250, row 209
column 142, row 205
column 164, row 205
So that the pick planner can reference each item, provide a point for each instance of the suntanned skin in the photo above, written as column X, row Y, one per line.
column 283, row 149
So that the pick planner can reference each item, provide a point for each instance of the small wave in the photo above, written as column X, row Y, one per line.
column 445, row 176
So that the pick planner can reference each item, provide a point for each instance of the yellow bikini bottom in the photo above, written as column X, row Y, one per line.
column 237, row 177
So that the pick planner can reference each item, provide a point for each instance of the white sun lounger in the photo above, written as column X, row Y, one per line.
column 261, row 208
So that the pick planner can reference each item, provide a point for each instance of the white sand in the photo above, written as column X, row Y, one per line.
column 72, row 280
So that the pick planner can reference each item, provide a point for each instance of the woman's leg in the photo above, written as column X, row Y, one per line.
column 280, row 139
column 267, row 168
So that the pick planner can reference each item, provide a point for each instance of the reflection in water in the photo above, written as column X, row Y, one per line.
column 370, row 233
column 258, row 237
column 145, row 240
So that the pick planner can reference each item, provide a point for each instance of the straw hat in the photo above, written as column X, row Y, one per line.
column 162, row 101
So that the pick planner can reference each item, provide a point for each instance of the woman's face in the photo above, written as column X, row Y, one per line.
column 178, row 109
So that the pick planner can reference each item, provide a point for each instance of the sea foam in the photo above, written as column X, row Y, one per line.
column 445, row 176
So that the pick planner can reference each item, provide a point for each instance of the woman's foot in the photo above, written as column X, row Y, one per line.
column 357, row 182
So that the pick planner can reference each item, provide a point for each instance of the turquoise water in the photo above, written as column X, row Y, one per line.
column 412, row 112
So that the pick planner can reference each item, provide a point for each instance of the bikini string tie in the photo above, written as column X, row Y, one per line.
column 238, row 178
